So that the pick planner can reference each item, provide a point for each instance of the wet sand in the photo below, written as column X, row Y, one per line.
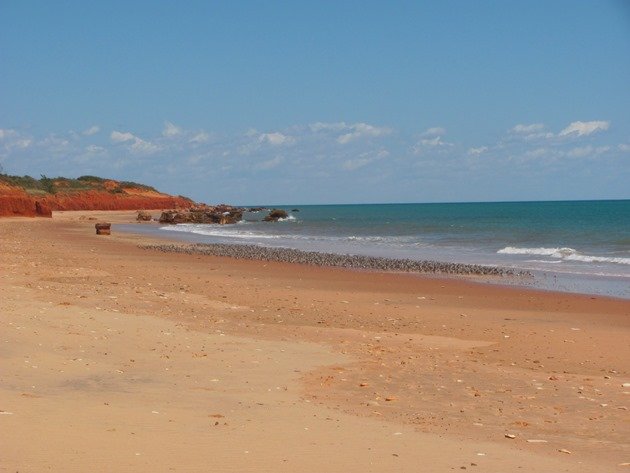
column 117, row 358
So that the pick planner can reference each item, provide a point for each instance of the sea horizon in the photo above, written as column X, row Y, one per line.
column 517, row 201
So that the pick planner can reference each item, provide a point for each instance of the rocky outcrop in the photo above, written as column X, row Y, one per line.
column 42, row 209
column 220, row 214
column 28, row 197
column 275, row 215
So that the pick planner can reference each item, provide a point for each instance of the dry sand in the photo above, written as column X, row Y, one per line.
column 116, row 358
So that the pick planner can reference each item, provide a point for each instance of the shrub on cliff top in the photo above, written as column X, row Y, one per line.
column 47, row 184
column 131, row 184
column 91, row 178
column 25, row 182
column 31, row 185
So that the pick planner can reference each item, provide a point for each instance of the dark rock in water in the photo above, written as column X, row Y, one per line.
column 295, row 210
column 230, row 217
column 275, row 215
column 103, row 228
column 169, row 216
column 221, row 214
column 144, row 216
column 256, row 209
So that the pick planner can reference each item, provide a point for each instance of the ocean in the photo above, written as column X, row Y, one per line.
column 578, row 246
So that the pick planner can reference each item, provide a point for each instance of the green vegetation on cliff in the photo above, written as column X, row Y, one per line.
column 46, row 185
column 30, row 197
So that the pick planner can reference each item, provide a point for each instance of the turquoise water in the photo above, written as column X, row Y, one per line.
column 587, row 239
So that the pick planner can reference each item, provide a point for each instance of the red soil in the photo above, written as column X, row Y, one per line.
column 14, row 201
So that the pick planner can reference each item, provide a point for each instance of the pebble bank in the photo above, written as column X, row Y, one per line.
column 289, row 255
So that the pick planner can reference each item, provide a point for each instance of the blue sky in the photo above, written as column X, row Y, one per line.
column 322, row 102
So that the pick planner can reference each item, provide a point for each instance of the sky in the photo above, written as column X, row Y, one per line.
column 262, row 102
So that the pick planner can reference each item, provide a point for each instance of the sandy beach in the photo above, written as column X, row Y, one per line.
column 118, row 358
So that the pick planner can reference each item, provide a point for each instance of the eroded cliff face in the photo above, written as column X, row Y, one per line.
column 15, row 201
column 96, row 200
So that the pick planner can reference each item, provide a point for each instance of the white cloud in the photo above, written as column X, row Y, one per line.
column 362, row 130
column 528, row 129
column 310, row 150
column 270, row 164
column 434, row 142
column 7, row 133
column 22, row 143
column 351, row 132
column 141, row 146
column 200, row 137
column 319, row 126
column 537, row 153
column 54, row 140
column 435, row 131
column 531, row 132
column 353, row 164
column 431, row 139
column 195, row 159
column 12, row 140
column 88, row 154
column 138, row 145
column 363, row 160
column 93, row 130
column 584, row 128
column 256, row 140
column 275, row 139
column 477, row 151
column 121, row 137
column 580, row 152
column 94, row 149
column 171, row 130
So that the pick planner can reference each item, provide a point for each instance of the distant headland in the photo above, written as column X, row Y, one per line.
column 29, row 197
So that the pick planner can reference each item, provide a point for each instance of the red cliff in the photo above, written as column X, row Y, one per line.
column 32, row 198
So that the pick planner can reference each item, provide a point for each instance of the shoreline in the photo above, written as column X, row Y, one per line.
column 349, row 261
column 434, row 369
column 478, row 274
column 553, row 281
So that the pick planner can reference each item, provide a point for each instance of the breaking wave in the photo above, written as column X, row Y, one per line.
column 568, row 254
column 216, row 231
column 248, row 230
